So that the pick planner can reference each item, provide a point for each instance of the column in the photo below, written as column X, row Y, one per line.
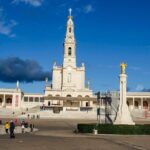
column 123, row 114
column 142, row 103
column 4, row 101
column 133, row 102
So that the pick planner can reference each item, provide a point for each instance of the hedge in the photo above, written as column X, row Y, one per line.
column 115, row 129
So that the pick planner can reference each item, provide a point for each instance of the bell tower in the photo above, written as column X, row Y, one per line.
column 69, row 44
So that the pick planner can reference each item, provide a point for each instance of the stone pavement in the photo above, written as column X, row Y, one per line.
column 58, row 135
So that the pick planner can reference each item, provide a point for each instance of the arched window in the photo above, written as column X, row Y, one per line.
column 79, row 95
column 70, row 30
column 68, row 95
column 69, row 51
column 57, row 95
column 87, row 96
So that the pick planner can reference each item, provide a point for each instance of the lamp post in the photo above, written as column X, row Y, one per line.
column 99, row 104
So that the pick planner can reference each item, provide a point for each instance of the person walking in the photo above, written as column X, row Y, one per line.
column 7, row 126
column 31, row 127
column 12, row 128
column 22, row 128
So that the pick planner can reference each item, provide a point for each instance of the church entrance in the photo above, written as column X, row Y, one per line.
column 49, row 103
column 56, row 110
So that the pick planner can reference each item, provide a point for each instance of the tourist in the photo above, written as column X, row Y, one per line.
column 12, row 127
column 22, row 128
column 7, row 126
column 31, row 127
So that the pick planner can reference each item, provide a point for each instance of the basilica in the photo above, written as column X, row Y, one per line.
column 67, row 96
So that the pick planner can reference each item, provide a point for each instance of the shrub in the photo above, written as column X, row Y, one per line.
column 114, row 129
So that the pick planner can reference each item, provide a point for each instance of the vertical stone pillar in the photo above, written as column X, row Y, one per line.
column 123, row 114
column 133, row 103
column 4, row 101
column 142, row 103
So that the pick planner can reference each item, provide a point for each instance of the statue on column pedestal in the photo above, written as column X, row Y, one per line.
column 123, row 67
column 123, row 114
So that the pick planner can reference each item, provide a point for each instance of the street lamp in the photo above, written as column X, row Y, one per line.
column 99, row 104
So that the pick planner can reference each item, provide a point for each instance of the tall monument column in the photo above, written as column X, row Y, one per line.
column 123, row 114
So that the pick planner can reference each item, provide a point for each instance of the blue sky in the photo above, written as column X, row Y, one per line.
column 107, row 32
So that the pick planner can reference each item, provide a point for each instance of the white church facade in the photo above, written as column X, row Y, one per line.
column 69, row 80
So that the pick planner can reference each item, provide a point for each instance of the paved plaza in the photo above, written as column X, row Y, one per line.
column 58, row 135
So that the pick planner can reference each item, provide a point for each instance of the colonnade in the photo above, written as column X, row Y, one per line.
column 142, row 103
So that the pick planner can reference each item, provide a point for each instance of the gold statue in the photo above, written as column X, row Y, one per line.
column 123, row 67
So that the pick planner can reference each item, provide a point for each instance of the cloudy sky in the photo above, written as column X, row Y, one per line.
column 107, row 32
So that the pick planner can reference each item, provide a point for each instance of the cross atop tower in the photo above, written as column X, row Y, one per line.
column 70, row 10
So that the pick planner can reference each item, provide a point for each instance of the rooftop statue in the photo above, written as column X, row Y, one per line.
column 123, row 67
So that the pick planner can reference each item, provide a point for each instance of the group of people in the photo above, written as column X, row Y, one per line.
column 10, row 127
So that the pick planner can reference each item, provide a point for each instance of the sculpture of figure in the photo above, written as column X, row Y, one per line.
column 123, row 67
column 46, row 80
column 17, row 84
column 82, row 64
column 54, row 64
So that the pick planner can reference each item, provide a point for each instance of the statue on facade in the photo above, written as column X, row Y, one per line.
column 123, row 67
column 54, row 64
column 46, row 80
column 17, row 84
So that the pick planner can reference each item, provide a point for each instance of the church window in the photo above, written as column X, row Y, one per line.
column 69, row 95
column 70, row 30
column 69, row 77
column 87, row 96
column 57, row 95
column 79, row 95
column 69, row 51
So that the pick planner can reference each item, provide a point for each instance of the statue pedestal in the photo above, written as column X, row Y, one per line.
column 123, row 114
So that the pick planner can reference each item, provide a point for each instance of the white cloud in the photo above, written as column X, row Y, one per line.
column 6, row 26
column 35, row 3
column 139, row 87
column 134, row 68
column 88, row 8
